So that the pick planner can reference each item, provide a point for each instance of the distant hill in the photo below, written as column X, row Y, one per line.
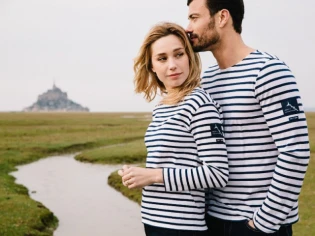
column 55, row 100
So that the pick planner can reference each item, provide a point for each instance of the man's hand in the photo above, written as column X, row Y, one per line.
column 251, row 224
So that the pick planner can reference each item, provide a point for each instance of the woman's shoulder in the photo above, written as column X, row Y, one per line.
column 200, row 100
column 200, row 96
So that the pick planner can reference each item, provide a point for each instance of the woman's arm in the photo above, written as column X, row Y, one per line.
column 206, row 129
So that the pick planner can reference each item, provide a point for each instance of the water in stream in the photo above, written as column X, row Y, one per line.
column 78, row 194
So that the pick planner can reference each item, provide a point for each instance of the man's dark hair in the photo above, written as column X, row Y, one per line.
column 235, row 7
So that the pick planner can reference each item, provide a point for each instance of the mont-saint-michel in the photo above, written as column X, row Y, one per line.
column 55, row 100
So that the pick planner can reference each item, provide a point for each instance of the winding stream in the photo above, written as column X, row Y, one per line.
column 78, row 194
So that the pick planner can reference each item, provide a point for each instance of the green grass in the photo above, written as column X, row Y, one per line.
column 306, row 226
column 126, row 153
column 311, row 129
column 20, row 216
column 26, row 137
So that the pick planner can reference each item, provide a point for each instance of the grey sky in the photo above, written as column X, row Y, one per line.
column 88, row 46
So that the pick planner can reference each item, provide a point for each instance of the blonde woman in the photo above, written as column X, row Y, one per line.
column 185, row 144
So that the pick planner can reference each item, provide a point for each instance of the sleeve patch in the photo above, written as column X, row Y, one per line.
column 293, row 118
column 216, row 130
column 219, row 140
column 290, row 106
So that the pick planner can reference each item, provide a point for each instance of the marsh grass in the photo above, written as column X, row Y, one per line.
column 26, row 137
column 125, row 153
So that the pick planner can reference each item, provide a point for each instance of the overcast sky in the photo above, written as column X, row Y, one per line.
column 88, row 47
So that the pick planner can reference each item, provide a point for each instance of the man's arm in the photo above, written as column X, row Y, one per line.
column 277, row 92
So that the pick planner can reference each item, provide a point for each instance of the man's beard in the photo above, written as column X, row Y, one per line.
column 204, row 42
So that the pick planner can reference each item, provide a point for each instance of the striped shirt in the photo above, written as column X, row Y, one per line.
column 267, row 141
column 186, row 141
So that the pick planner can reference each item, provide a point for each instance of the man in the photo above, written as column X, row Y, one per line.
column 264, row 125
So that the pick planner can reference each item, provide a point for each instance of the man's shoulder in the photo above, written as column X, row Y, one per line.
column 272, row 62
column 266, row 57
column 255, row 58
column 212, row 67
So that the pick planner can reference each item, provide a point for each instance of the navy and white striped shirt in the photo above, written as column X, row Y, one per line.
column 185, row 140
column 267, row 141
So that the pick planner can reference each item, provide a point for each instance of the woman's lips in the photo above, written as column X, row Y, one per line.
column 175, row 75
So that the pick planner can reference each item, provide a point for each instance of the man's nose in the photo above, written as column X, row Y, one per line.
column 188, row 29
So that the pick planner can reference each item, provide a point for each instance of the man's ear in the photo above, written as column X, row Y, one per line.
column 223, row 17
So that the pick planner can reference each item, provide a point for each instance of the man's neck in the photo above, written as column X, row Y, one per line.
column 231, row 51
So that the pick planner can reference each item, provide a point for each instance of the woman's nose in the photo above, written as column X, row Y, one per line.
column 172, row 64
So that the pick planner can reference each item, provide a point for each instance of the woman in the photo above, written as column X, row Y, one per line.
column 185, row 144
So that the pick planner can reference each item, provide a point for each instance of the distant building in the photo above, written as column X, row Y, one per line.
column 55, row 100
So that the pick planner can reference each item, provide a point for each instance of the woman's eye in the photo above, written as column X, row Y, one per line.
column 179, row 54
column 162, row 59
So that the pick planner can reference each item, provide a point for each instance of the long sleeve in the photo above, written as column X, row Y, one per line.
column 206, row 128
column 277, row 92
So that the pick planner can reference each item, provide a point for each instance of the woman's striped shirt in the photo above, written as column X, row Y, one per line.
column 186, row 141
column 267, row 141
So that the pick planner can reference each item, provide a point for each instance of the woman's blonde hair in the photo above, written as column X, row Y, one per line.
column 146, row 80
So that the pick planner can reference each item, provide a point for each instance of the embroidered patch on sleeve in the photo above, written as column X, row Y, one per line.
column 290, row 106
column 293, row 118
column 220, row 140
column 216, row 130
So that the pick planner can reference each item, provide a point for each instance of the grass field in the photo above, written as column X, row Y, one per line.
column 26, row 137
column 106, row 138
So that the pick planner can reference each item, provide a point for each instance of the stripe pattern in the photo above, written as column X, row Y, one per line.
column 187, row 142
column 267, row 141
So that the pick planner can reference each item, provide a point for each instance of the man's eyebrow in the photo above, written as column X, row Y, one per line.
column 192, row 15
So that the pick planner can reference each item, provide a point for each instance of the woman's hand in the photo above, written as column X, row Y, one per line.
column 138, row 177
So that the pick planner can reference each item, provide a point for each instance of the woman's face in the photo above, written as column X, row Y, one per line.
column 170, row 61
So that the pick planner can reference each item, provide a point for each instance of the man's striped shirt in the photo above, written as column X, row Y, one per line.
column 186, row 141
column 267, row 141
